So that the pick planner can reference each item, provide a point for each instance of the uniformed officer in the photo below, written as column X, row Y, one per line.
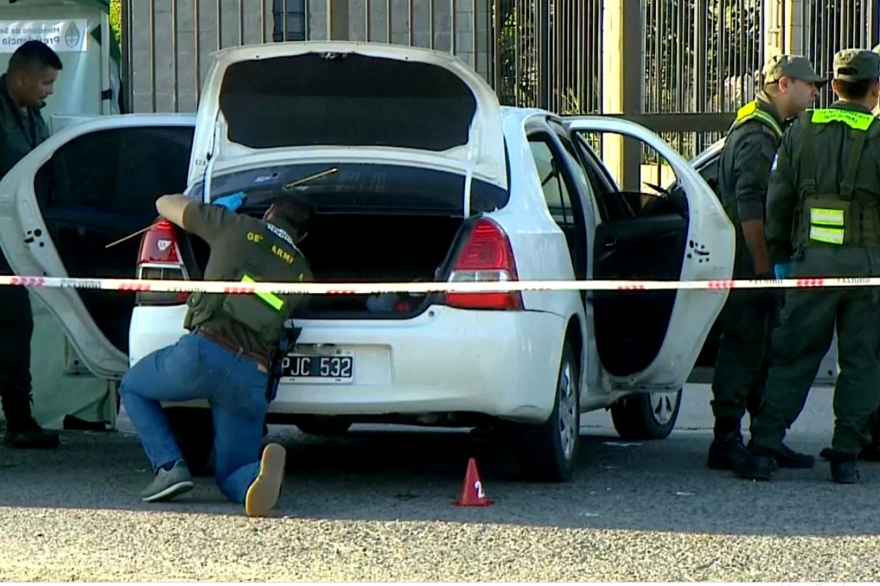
column 28, row 81
column 789, row 87
column 823, row 217
column 226, row 356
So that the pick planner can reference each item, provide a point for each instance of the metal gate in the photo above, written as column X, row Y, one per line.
column 689, row 63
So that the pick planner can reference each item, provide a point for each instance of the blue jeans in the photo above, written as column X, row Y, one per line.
column 198, row 368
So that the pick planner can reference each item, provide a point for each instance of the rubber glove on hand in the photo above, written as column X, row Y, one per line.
column 782, row 271
column 230, row 202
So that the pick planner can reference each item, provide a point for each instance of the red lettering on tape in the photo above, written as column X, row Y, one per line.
column 135, row 287
column 723, row 284
column 805, row 283
column 28, row 281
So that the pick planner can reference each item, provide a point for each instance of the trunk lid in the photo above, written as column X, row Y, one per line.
column 346, row 101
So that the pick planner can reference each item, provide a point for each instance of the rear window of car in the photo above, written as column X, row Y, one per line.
column 361, row 186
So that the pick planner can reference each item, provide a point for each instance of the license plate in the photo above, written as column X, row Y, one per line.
column 306, row 368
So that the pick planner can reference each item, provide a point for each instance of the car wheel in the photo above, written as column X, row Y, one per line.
column 646, row 416
column 317, row 425
column 548, row 452
column 193, row 429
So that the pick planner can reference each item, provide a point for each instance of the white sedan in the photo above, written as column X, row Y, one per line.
column 435, row 181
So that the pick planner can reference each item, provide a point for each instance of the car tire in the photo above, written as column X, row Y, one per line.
column 193, row 428
column 325, row 426
column 646, row 416
column 548, row 452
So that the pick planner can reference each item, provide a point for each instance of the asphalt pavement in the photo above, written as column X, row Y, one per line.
column 376, row 504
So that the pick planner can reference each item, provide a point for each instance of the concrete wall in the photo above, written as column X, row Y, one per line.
column 179, row 36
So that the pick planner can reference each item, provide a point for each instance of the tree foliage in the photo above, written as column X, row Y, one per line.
column 116, row 20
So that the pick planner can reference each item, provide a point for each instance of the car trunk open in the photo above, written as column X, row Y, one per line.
column 381, row 102
column 368, row 248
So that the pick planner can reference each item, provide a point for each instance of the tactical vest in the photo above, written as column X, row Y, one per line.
column 841, row 218
column 750, row 112
column 276, row 259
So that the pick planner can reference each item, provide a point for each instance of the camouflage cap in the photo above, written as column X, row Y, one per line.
column 793, row 66
column 856, row 65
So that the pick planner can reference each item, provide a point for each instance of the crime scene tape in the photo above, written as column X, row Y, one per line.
column 318, row 288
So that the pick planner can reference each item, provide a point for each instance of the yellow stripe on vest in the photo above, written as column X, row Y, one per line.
column 855, row 120
column 276, row 302
column 827, row 235
column 751, row 110
column 826, row 216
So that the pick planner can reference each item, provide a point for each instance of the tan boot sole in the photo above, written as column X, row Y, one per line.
column 265, row 490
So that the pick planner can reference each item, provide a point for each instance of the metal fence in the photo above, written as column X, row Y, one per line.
column 167, row 42
column 688, row 60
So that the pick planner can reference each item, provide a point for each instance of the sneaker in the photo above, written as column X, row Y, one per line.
column 263, row 493
column 29, row 435
column 168, row 484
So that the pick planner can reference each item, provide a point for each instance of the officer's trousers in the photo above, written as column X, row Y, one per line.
column 743, row 354
column 198, row 368
column 799, row 344
column 16, row 328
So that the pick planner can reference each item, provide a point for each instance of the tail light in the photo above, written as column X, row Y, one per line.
column 486, row 257
column 159, row 259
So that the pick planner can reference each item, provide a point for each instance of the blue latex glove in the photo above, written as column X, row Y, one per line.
column 782, row 271
column 230, row 202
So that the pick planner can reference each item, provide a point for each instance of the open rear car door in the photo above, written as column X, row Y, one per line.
column 86, row 186
column 651, row 339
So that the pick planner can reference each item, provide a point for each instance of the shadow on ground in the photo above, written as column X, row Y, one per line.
column 405, row 475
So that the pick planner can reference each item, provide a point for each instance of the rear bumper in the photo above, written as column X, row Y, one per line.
column 501, row 364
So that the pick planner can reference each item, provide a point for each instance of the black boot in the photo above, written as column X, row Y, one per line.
column 727, row 448
column 788, row 458
column 22, row 431
column 29, row 435
column 870, row 453
column 759, row 464
column 844, row 467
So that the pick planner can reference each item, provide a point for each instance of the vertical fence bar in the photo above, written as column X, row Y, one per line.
column 126, row 76
column 197, row 51
column 175, row 72
column 367, row 28
column 240, row 22
column 153, row 56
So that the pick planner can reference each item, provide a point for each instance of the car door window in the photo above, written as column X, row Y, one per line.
column 100, row 187
column 613, row 205
column 556, row 184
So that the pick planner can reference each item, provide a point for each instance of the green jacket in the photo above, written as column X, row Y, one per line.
column 744, row 171
column 786, row 180
column 22, row 131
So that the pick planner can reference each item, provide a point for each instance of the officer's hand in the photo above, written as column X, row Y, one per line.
column 231, row 202
column 782, row 271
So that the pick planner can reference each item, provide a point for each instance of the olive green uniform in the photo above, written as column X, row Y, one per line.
column 225, row 359
column 244, row 248
column 749, row 315
column 746, row 318
column 20, row 133
column 827, row 219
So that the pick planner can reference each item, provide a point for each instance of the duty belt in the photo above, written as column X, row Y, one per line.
column 261, row 361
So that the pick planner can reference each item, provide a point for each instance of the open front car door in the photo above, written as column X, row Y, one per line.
column 651, row 339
